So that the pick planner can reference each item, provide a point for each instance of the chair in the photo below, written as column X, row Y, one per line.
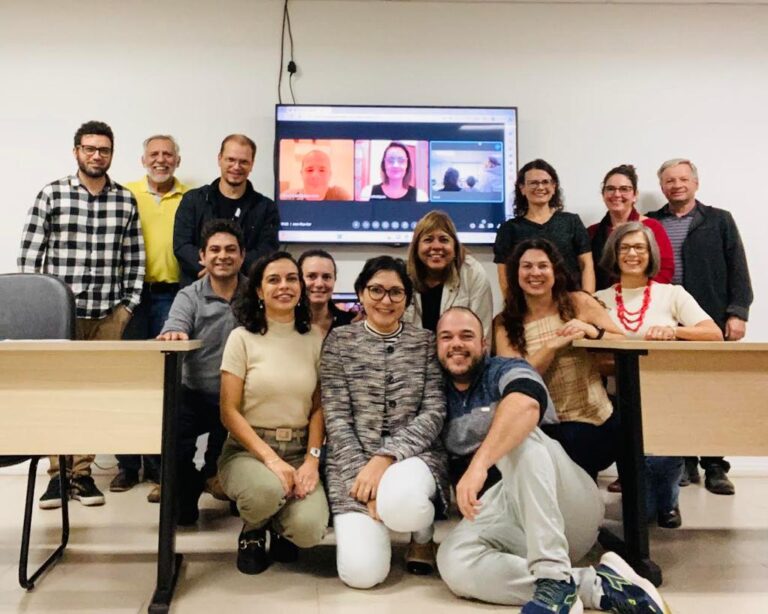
column 36, row 306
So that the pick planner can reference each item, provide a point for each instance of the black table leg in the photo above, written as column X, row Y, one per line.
column 168, row 562
column 634, row 548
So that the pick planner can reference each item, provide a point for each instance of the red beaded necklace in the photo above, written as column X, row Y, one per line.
column 632, row 320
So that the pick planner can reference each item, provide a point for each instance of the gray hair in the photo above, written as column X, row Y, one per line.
column 162, row 137
column 610, row 258
column 676, row 162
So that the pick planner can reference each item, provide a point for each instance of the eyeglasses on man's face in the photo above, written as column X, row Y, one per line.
column 396, row 294
column 90, row 150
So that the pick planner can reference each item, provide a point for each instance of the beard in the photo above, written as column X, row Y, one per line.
column 471, row 372
column 93, row 173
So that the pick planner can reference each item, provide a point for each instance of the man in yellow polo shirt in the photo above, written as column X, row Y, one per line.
column 158, row 196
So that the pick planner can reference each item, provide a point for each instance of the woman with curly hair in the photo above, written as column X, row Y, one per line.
column 270, row 404
column 540, row 321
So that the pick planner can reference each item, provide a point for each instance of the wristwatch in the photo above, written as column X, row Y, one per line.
column 314, row 452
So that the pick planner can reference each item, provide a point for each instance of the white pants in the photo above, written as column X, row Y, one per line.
column 404, row 504
column 545, row 512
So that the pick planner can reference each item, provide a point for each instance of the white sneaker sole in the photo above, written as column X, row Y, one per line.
column 49, row 504
column 89, row 501
column 621, row 567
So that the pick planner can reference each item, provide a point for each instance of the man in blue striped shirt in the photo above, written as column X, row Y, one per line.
column 515, row 543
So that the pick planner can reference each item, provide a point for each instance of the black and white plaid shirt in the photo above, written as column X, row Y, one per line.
column 93, row 243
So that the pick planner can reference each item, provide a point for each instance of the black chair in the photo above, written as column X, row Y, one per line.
column 37, row 307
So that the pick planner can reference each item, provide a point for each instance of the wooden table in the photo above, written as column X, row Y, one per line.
column 93, row 397
column 681, row 398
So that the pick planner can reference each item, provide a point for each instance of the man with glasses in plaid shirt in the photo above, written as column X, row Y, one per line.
column 85, row 230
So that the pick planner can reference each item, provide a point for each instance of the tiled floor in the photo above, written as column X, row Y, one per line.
column 718, row 562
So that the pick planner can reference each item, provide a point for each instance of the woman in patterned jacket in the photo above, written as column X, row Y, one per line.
column 384, row 410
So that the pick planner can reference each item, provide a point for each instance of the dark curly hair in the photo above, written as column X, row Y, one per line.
column 515, row 305
column 626, row 170
column 97, row 128
column 521, row 202
column 250, row 310
column 385, row 263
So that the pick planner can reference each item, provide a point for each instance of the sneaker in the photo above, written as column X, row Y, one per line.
column 154, row 494
column 252, row 552
column 671, row 519
column 282, row 550
column 420, row 558
column 624, row 591
column 124, row 481
column 716, row 481
column 84, row 490
column 554, row 596
column 51, row 498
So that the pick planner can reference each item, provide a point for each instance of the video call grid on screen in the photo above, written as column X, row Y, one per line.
column 331, row 163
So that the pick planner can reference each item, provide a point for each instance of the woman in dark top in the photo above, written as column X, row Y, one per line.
column 318, row 268
column 539, row 214
column 396, row 174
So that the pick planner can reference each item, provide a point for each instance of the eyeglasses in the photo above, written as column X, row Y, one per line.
column 639, row 248
column 396, row 160
column 377, row 293
column 622, row 189
column 90, row 150
column 543, row 183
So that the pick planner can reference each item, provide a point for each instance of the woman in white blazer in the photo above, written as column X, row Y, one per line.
column 444, row 275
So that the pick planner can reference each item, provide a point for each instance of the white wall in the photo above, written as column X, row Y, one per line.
column 595, row 84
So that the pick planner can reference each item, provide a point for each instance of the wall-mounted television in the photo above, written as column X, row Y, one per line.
column 367, row 174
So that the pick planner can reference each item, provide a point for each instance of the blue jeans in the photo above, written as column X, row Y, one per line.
column 147, row 322
column 662, row 474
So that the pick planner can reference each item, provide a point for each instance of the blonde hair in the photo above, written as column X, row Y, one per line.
column 432, row 221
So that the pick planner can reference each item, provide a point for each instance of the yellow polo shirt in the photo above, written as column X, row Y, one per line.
column 157, row 214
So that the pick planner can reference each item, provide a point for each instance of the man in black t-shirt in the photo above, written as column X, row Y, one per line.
column 229, row 197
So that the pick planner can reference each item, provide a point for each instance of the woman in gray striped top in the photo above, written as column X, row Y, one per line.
column 384, row 410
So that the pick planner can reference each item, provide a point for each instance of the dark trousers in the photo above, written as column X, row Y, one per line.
column 593, row 448
column 710, row 461
column 198, row 414
column 147, row 322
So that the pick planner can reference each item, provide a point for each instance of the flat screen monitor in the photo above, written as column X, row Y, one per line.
column 367, row 174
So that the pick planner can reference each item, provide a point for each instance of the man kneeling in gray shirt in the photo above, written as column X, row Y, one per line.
column 516, row 542
column 203, row 310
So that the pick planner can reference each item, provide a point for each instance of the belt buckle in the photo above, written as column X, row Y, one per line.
column 283, row 434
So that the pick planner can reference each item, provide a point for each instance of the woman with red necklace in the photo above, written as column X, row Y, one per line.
column 542, row 317
column 652, row 311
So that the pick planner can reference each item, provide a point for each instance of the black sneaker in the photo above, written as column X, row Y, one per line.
column 624, row 591
column 282, row 550
column 124, row 480
column 84, row 490
column 51, row 498
column 252, row 552
column 554, row 596
column 716, row 481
